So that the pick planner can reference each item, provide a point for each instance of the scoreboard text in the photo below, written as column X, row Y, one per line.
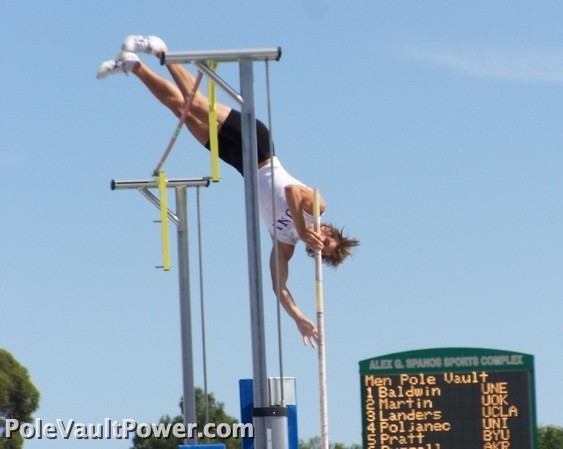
column 448, row 398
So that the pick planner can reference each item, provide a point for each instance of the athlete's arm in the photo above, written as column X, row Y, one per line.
column 305, row 326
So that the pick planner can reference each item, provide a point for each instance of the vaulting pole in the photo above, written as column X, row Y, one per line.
column 174, row 137
column 320, row 325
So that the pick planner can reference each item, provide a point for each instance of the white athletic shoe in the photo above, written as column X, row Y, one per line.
column 151, row 45
column 123, row 63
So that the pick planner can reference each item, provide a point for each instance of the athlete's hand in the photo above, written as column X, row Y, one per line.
column 308, row 331
column 312, row 239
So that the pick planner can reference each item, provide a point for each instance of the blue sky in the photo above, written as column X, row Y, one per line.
column 432, row 129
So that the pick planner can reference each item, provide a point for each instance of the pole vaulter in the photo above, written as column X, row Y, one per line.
column 249, row 150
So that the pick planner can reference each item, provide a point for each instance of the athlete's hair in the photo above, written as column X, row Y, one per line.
column 343, row 249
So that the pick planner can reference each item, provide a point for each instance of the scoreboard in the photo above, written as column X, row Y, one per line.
column 448, row 398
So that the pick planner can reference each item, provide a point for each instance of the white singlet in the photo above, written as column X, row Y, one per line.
column 285, row 228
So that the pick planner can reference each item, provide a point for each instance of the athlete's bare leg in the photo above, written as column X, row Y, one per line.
column 171, row 96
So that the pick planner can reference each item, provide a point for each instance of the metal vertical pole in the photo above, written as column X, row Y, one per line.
column 270, row 423
column 185, row 312
column 250, row 162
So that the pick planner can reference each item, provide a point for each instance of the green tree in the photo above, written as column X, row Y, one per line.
column 217, row 415
column 550, row 437
column 315, row 443
column 18, row 398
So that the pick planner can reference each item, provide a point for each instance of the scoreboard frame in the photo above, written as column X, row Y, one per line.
column 451, row 368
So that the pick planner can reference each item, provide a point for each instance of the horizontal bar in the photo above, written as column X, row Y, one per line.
column 154, row 200
column 147, row 183
column 185, row 57
column 219, row 82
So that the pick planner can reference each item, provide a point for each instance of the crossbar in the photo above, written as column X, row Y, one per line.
column 146, row 183
column 186, row 57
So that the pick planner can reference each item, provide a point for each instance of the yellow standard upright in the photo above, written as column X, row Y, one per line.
column 164, row 221
column 213, row 133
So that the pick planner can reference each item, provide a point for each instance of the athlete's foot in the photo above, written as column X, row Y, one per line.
column 125, row 62
column 151, row 45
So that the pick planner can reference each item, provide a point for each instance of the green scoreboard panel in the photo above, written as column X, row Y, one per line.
column 448, row 398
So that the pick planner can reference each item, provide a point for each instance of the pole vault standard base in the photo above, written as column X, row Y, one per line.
column 266, row 435
column 268, row 430
column 271, row 422
column 180, row 219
